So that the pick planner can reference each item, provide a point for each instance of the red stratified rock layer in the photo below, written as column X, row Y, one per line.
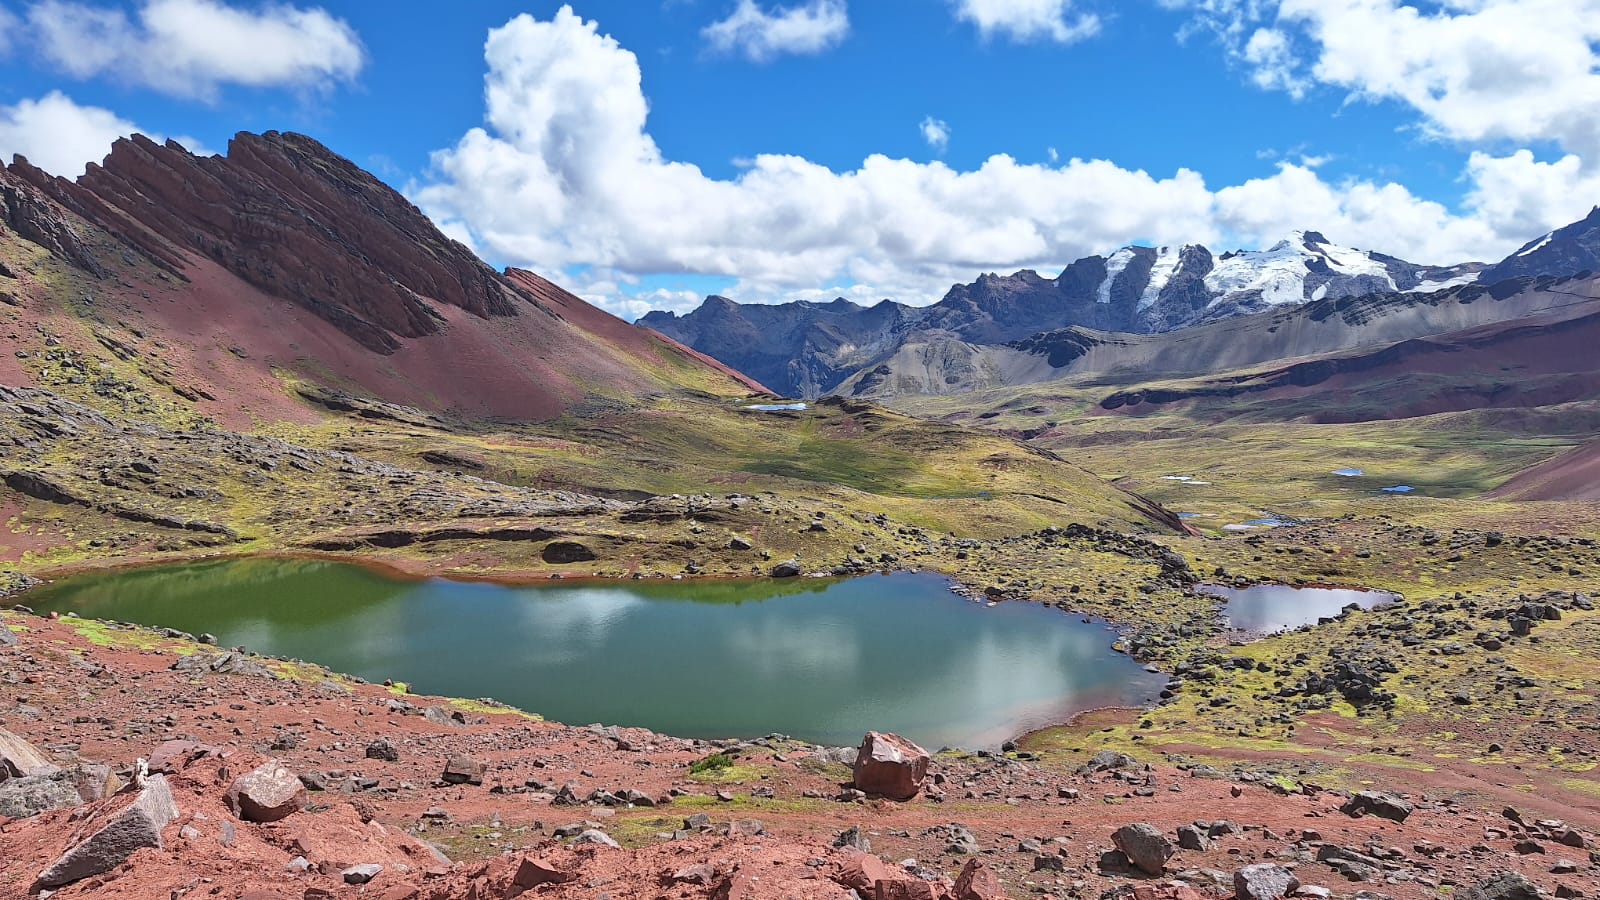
column 284, row 258
column 295, row 219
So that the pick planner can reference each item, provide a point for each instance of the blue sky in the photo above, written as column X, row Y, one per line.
column 1181, row 101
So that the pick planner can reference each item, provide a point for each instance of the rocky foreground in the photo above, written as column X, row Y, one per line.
column 139, row 764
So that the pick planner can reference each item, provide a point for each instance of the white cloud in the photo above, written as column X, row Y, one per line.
column 1028, row 20
column 806, row 28
column 1476, row 70
column 191, row 48
column 61, row 137
column 565, row 178
column 8, row 30
column 936, row 132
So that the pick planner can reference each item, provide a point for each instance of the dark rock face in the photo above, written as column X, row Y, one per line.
column 1377, row 803
column 798, row 349
column 1565, row 251
column 25, row 210
column 284, row 213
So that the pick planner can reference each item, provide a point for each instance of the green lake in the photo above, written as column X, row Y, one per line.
column 821, row 660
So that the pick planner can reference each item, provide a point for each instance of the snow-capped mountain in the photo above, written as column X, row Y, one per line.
column 807, row 349
column 1170, row 287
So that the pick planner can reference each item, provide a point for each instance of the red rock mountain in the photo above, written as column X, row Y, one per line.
column 285, row 260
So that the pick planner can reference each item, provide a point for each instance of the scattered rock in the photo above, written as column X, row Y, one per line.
column 978, row 882
column 1264, row 881
column 136, row 826
column 1377, row 803
column 533, row 871
column 462, row 770
column 361, row 874
column 268, row 793
column 1146, row 847
column 890, row 766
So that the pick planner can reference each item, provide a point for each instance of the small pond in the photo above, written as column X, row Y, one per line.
column 778, row 407
column 1266, row 608
column 822, row 660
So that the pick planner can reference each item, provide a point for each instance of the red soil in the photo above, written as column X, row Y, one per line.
column 114, row 705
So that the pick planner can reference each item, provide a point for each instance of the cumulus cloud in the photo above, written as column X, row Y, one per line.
column 1028, row 20
column 564, row 177
column 61, row 137
column 760, row 35
column 191, row 48
column 1475, row 70
column 936, row 132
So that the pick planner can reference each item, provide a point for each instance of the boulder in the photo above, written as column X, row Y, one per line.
column 533, row 871
column 1110, row 760
column 8, row 638
column 596, row 836
column 1508, row 886
column 268, row 793
column 173, row 757
column 134, row 827
column 92, row 781
column 383, row 749
column 861, row 871
column 462, row 770
column 907, row 889
column 18, row 757
column 890, row 766
column 1145, row 846
column 1264, row 881
column 1377, row 803
column 361, row 874
column 30, row 795
column 1192, row 837
column 789, row 568
column 978, row 882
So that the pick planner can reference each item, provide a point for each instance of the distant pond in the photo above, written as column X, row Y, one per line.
column 822, row 660
column 1266, row 608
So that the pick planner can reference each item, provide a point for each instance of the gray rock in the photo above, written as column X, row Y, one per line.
column 383, row 749
column 1508, row 886
column 854, row 838
column 697, row 822
column 8, row 638
column 30, row 795
column 1145, row 846
column 1110, row 760
column 787, row 569
column 1263, row 881
column 361, row 874
column 1191, row 837
column 136, row 827
column 1377, row 803
column 595, row 836
column 18, row 757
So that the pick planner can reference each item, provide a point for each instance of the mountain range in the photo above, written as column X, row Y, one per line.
column 808, row 349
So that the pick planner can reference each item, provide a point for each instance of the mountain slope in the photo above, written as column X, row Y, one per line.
column 284, row 261
column 1566, row 251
